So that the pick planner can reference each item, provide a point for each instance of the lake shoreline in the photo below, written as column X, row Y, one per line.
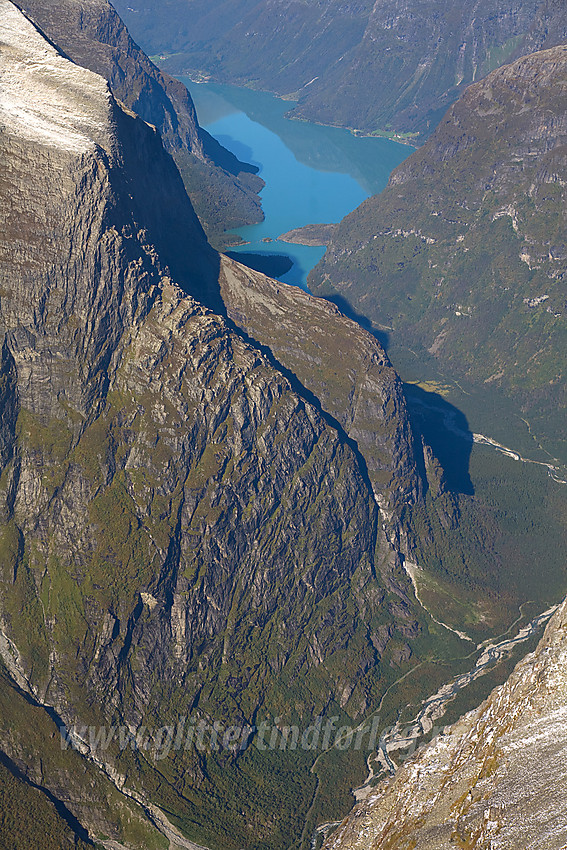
column 412, row 140
column 312, row 173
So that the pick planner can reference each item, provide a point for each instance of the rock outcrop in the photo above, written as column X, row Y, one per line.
column 223, row 190
column 493, row 781
column 343, row 367
column 185, row 528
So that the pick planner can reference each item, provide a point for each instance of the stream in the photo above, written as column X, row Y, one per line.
column 405, row 737
column 555, row 471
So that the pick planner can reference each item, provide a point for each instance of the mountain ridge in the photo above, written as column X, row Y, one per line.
column 223, row 190
column 389, row 66
column 179, row 523
column 463, row 252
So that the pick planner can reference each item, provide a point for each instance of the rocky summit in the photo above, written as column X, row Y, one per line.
column 187, row 528
column 223, row 189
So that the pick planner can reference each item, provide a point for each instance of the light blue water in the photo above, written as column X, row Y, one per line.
column 313, row 174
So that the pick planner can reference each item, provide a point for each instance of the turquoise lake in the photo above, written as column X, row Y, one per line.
column 313, row 174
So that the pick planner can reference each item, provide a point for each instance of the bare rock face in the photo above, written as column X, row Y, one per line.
column 92, row 35
column 343, row 366
column 184, row 528
column 201, row 478
column 74, row 277
column 495, row 780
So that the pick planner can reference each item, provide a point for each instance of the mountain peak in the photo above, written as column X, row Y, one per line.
column 44, row 97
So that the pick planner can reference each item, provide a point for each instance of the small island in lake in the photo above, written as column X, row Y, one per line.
column 312, row 235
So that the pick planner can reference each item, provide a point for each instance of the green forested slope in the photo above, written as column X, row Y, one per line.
column 463, row 257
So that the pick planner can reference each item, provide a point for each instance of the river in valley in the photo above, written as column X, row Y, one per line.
column 313, row 174
column 317, row 175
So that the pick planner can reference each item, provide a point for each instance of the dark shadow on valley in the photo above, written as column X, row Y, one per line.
column 445, row 428
column 348, row 310
column 152, row 197
column 273, row 265
column 12, row 767
column 244, row 153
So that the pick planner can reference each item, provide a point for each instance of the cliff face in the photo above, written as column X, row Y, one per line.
column 495, row 779
column 343, row 367
column 91, row 34
column 464, row 253
column 184, row 528
column 392, row 65
column 204, row 476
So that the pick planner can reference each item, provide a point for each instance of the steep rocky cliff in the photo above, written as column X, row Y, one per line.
column 223, row 190
column 343, row 367
column 204, row 495
column 463, row 256
column 496, row 779
column 185, row 529
column 391, row 65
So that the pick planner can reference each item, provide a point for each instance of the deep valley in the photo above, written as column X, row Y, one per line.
column 267, row 550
